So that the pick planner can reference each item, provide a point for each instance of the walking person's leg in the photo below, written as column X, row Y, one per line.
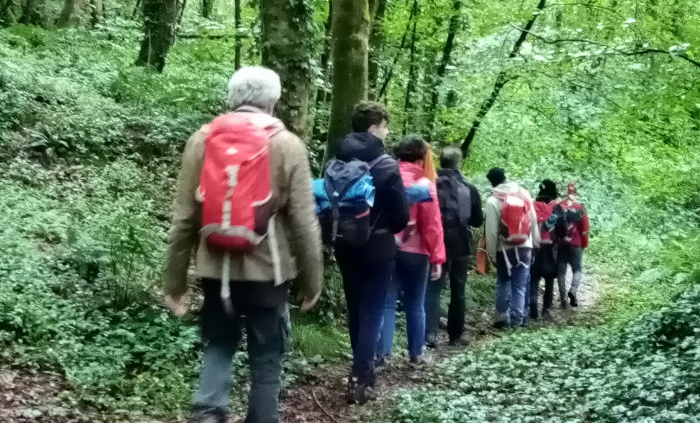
column 548, row 296
column 221, row 334
column 352, row 279
column 412, row 271
column 534, row 290
column 562, row 264
column 575, row 259
column 456, row 314
column 502, row 319
column 386, row 335
column 519, row 282
column 432, row 306
column 372, row 297
column 269, row 335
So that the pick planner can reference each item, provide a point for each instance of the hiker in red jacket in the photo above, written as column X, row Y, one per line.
column 421, row 255
column 545, row 265
column 571, row 245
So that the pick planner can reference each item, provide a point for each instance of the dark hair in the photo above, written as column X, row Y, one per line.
column 548, row 191
column 496, row 176
column 366, row 114
column 411, row 149
column 450, row 158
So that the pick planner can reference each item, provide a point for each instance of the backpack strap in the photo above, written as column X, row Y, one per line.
column 378, row 160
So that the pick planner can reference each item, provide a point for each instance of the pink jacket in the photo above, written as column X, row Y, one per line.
column 423, row 235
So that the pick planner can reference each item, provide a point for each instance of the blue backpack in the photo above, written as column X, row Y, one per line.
column 344, row 199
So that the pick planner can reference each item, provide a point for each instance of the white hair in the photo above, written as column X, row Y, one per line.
column 255, row 86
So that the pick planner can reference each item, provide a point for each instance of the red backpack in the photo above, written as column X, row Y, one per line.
column 234, row 186
column 515, row 218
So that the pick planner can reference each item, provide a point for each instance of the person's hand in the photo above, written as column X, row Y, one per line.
column 178, row 305
column 435, row 272
column 308, row 302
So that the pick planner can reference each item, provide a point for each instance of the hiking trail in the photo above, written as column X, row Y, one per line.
column 34, row 397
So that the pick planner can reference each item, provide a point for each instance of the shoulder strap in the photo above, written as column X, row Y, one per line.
column 378, row 160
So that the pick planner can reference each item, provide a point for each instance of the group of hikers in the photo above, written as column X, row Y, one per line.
column 246, row 202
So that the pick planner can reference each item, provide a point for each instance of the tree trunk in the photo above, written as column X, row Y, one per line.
column 376, row 41
column 239, row 39
column 207, row 8
column 97, row 10
column 411, row 83
column 180, row 14
column 6, row 15
column 160, row 21
column 287, row 49
column 34, row 13
column 404, row 38
column 321, row 94
column 70, row 14
column 137, row 9
column 501, row 80
column 350, row 52
column 453, row 29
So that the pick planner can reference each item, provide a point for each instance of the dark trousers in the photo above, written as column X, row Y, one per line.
column 365, row 282
column 268, row 338
column 545, row 267
column 456, row 269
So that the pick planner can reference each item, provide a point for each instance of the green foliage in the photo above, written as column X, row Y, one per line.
column 644, row 372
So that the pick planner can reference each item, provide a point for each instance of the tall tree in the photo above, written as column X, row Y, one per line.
column 207, row 8
column 322, row 95
column 239, row 38
column 376, row 40
column 390, row 71
column 160, row 22
column 452, row 30
column 351, row 21
column 287, row 33
column 411, row 83
column 34, row 13
column 501, row 80
column 70, row 15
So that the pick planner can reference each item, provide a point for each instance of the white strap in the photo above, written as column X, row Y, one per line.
column 225, row 283
column 274, row 251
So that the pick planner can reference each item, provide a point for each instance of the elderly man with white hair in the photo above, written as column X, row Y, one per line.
column 244, row 203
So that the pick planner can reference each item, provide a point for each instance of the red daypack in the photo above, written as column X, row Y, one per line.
column 515, row 218
column 234, row 186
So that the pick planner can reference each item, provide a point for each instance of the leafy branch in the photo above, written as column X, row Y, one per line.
column 611, row 50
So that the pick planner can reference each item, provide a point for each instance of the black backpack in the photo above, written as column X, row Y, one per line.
column 348, row 219
column 454, row 197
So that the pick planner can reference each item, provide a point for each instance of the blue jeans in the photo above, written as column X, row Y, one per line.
column 411, row 277
column 511, row 288
column 268, row 338
column 365, row 281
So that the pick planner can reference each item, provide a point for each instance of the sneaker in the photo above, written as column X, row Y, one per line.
column 422, row 361
column 431, row 341
column 573, row 300
column 359, row 393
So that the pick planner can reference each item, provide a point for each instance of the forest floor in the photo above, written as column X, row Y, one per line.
column 36, row 397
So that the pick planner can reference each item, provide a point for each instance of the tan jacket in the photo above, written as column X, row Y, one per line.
column 298, row 233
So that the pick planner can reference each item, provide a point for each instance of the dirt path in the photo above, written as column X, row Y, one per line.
column 27, row 397
column 320, row 397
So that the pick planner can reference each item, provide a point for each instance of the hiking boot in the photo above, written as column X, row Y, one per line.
column 459, row 342
column 564, row 305
column 547, row 314
column 359, row 393
column 573, row 300
column 500, row 324
column 534, row 315
column 208, row 419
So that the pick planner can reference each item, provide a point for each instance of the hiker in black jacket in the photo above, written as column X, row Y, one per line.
column 460, row 206
column 367, row 270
